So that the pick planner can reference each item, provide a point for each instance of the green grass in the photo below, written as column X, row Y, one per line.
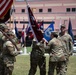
column 22, row 65
column 28, row 49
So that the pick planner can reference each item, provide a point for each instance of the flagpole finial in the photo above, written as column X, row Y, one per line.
column 65, row 21
column 26, row 2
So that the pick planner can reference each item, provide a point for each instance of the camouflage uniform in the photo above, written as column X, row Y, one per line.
column 68, row 45
column 57, row 57
column 9, row 54
column 2, row 27
column 1, row 48
column 37, row 58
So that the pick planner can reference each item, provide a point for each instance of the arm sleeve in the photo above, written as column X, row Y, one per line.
column 14, row 53
column 11, row 49
column 34, row 44
column 70, row 46
column 47, row 47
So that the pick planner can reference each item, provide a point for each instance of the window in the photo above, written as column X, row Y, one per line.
column 67, row 9
column 33, row 10
column 49, row 9
column 40, row 10
column 73, row 9
column 23, row 10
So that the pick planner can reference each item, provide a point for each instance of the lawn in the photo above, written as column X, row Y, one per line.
column 22, row 65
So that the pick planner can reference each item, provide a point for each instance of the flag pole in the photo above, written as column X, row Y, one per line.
column 24, row 48
column 60, row 24
column 29, row 22
column 13, row 15
column 13, row 29
column 10, row 19
column 26, row 2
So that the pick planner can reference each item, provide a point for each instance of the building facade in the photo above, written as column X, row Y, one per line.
column 58, row 11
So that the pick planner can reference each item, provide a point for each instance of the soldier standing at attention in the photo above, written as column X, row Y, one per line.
column 9, row 54
column 37, row 58
column 68, row 44
column 57, row 57
column 4, row 28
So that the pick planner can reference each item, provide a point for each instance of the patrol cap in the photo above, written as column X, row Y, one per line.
column 55, row 33
column 63, row 26
column 34, row 39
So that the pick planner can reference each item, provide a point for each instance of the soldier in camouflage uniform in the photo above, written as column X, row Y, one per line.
column 68, row 44
column 9, row 54
column 57, row 57
column 37, row 58
column 4, row 28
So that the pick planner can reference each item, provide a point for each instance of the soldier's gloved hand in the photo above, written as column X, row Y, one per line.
column 21, row 52
column 70, row 54
column 38, row 44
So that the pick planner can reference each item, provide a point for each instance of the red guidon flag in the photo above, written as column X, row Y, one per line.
column 34, row 26
column 5, row 6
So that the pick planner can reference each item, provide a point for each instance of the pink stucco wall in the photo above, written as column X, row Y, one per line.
column 58, row 12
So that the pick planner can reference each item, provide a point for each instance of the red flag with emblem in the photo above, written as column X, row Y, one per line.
column 34, row 25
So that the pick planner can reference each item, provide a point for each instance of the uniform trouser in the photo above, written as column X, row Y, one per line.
column 8, row 70
column 59, row 66
column 37, row 62
column 65, row 65
column 1, row 67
